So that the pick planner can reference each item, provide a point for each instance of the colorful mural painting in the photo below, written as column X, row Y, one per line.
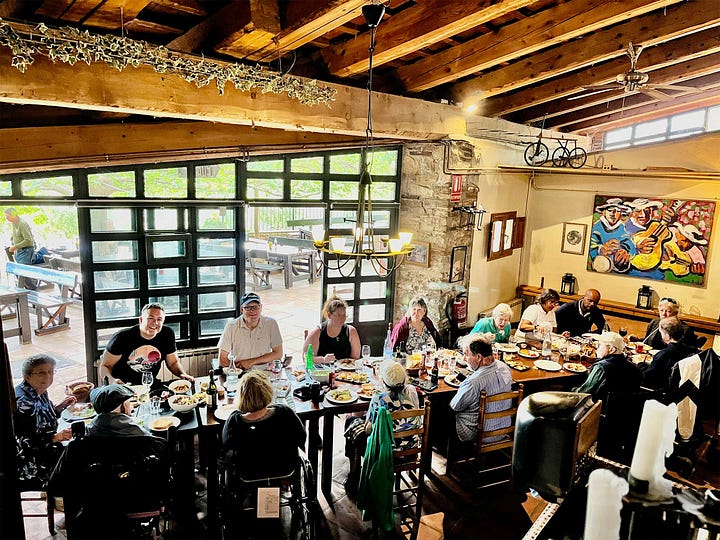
column 664, row 239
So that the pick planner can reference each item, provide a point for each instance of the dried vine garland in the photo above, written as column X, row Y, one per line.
column 71, row 45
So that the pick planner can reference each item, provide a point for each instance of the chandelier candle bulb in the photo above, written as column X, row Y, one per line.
column 395, row 245
column 337, row 244
column 654, row 442
column 604, row 502
column 406, row 238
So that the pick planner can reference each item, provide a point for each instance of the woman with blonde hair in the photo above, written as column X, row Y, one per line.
column 334, row 339
column 498, row 324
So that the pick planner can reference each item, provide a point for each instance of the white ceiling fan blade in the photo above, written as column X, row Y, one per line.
column 588, row 94
column 657, row 94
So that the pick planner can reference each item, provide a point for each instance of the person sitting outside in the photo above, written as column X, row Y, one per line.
column 498, row 324
column 333, row 339
column 35, row 420
column 490, row 375
column 415, row 329
column 112, row 403
column 613, row 372
column 541, row 315
column 261, row 439
column 667, row 308
column 657, row 373
column 579, row 317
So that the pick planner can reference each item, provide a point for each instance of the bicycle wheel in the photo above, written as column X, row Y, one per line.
column 536, row 154
column 560, row 156
column 577, row 158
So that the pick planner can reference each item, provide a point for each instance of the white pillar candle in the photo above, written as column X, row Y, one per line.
column 604, row 502
column 654, row 441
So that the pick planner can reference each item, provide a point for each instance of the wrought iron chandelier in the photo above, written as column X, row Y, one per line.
column 346, row 258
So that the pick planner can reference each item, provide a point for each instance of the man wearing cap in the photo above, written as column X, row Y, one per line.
column 141, row 348
column 682, row 255
column 112, row 404
column 488, row 374
column 609, row 241
column 581, row 316
column 252, row 339
column 613, row 372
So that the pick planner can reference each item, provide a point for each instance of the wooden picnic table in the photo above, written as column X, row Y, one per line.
column 14, row 305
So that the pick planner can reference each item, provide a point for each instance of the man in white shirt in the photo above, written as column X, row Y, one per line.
column 252, row 340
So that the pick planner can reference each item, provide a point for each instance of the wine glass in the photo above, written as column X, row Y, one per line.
column 147, row 380
column 366, row 353
column 623, row 331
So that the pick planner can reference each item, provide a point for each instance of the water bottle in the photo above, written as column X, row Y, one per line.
column 547, row 346
column 387, row 347
column 231, row 380
column 309, row 364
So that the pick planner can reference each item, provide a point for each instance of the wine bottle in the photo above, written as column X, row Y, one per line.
column 212, row 393
column 387, row 347
column 309, row 364
column 435, row 373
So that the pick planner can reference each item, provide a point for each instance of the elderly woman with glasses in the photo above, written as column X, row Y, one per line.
column 498, row 324
column 36, row 419
column 667, row 308
column 415, row 329
column 540, row 315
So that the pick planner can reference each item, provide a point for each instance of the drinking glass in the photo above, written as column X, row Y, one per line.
column 147, row 380
column 155, row 405
column 366, row 353
column 623, row 331
column 276, row 368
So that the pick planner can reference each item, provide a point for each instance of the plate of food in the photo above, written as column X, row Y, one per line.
column 519, row 366
column 340, row 396
column 349, row 376
column 201, row 398
column 452, row 380
column 590, row 335
column 164, row 423
column 182, row 402
column 180, row 386
column 641, row 358
column 575, row 367
column 547, row 365
column 367, row 391
column 528, row 353
column 346, row 364
column 79, row 411
column 507, row 348
column 224, row 411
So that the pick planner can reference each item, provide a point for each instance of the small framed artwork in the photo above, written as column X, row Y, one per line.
column 457, row 263
column 420, row 255
column 573, row 238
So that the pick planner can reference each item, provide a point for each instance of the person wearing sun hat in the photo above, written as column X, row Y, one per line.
column 253, row 340
column 112, row 403
column 613, row 372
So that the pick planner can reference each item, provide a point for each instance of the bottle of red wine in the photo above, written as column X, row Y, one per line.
column 435, row 373
column 212, row 393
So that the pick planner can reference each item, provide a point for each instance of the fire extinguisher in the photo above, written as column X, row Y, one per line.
column 459, row 309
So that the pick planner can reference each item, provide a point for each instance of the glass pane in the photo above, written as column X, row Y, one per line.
column 687, row 121
column 274, row 165
column 112, row 184
column 171, row 249
column 373, row 289
column 373, row 312
column 111, row 220
column 306, row 189
column 350, row 314
column 265, row 188
column 307, row 165
column 618, row 135
column 383, row 162
column 496, row 236
column 216, row 275
column 713, row 118
column 59, row 186
column 216, row 219
column 260, row 220
column 213, row 327
column 121, row 308
column 167, row 277
column 345, row 191
column 216, row 301
column 507, row 244
column 345, row 219
column 5, row 189
column 104, row 335
column 209, row 248
column 175, row 327
column 383, row 191
column 166, row 183
column 647, row 129
column 348, row 270
column 345, row 163
column 346, row 291
column 116, row 280
column 173, row 304
column 161, row 219
column 215, row 181
column 114, row 251
column 370, row 268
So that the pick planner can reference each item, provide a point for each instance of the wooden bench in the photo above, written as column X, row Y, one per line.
column 259, row 268
column 300, row 243
column 50, row 309
column 67, row 265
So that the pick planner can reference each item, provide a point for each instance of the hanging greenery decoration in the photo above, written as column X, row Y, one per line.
column 71, row 45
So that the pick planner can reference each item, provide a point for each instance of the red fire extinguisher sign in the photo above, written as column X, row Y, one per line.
column 456, row 188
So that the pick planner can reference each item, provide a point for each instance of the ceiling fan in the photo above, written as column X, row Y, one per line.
column 634, row 81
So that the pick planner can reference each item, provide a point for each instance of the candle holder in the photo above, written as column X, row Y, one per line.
column 568, row 284
column 644, row 297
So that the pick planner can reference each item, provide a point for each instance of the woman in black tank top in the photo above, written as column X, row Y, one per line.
column 334, row 339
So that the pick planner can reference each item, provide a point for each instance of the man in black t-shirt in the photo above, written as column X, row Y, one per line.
column 141, row 348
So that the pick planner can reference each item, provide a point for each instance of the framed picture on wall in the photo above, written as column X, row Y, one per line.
column 573, row 238
column 457, row 263
column 420, row 255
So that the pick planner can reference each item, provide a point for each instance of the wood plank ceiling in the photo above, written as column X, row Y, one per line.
column 520, row 60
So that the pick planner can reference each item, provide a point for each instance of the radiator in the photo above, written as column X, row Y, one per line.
column 195, row 362
column 516, row 304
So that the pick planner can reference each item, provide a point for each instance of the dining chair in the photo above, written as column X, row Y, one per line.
column 471, row 461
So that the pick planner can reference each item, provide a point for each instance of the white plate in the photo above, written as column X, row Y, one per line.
column 451, row 380
column 139, row 389
column 180, row 387
column 331, row 399
column 547, row 365
column 84, row 413
column 591, row 335
column 507, row 347
column 574, row 367
column 224, row 411
column 529, row 353
column 174, row 419
column 346, row 365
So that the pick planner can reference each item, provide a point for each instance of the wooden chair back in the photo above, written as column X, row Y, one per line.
column 506, row 433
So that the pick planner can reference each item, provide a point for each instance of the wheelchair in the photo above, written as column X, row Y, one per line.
column 239, row 502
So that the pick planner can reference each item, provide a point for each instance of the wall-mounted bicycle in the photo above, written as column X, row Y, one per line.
column 537, row 153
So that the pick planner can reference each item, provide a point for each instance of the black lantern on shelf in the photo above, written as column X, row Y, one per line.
column 568, row 284
column 644, row 297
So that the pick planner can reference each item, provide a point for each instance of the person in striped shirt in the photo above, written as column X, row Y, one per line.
column 488, row 374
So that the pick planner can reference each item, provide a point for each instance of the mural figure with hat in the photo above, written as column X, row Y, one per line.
column 142, row 348
column 610, row 246
column 682, row 255
column 252, row 340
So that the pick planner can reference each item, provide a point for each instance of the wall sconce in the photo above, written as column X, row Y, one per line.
column 644, row 297
column 471, row 213
column 568, row 284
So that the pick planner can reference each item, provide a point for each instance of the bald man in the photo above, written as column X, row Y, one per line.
column 581, row 316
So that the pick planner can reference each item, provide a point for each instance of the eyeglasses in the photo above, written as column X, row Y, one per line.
column 43, row 373
column 254, row 307
column 668, row 299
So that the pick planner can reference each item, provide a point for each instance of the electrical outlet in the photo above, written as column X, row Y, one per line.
column 607, row 167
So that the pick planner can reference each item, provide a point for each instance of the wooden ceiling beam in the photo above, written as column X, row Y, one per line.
column 190, row 7
column 545, row 29
column 259, row 26
column 224, row 22
column 415, row 28
column 142, row 91
column 694, row 46
column 112, row 14
column 601, row 46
